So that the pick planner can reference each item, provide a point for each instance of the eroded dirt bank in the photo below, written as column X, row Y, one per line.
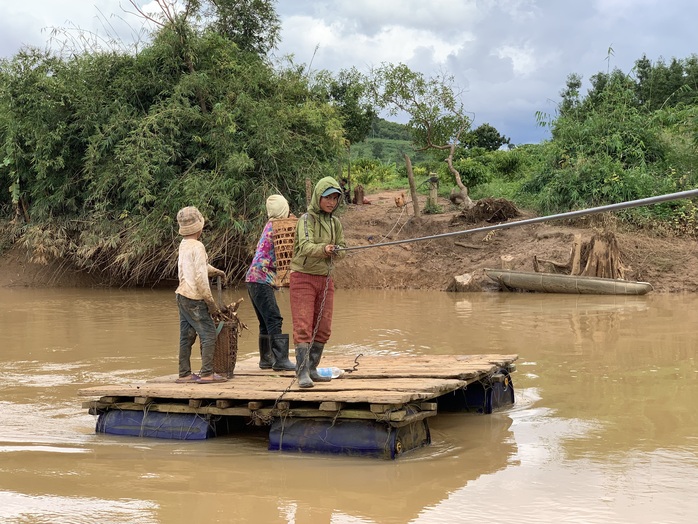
column 669, row 264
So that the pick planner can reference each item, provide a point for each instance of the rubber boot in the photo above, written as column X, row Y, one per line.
column 315, row 356
column 279, row 350
column 266, row 359
column 303, row 365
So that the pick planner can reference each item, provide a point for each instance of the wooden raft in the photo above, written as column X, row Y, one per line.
column 381, row 388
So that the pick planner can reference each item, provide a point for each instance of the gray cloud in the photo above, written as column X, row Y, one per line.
column 511, row 57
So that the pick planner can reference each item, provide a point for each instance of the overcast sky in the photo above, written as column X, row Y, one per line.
column 511, row 57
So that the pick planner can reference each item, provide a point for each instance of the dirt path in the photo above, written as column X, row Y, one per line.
column 669, row 264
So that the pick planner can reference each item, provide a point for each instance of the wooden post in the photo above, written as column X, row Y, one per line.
column 433, row 190
column 349, row 172
column 507, row 261
column 413, row 188
column 308, row 191
column 359, row 195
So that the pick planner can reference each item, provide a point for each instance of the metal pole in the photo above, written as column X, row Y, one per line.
column 570, row 214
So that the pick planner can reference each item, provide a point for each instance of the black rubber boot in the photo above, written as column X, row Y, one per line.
column 303, row 366
column 266, row 359
column 279, row 350
column 315, row 356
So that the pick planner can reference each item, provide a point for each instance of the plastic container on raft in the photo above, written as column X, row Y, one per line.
column 332, row 372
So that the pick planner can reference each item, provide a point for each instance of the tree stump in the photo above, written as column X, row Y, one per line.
column 604, row 258
column 359, row 195
column 600, row 257
column 506, row 261
column 463, row 283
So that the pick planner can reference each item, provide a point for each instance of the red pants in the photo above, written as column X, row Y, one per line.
column 308, row 292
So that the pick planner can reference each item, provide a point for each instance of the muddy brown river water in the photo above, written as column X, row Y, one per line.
column 605, row 426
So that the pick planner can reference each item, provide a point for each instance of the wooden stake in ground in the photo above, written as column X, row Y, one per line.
column 413, row 187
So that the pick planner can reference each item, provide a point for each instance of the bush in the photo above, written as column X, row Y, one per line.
column 472, row 171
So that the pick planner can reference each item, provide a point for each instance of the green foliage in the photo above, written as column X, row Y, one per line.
column 111, row 146
column 381, row 128
column 498, row 188
column 604, row 150
column 472, row 171
column 508, row 165
column 369, row 172
column 386, row 150
column 347, row 93
column 486, row 137
column 431, row 208
column 660, row 85
column 252, row 24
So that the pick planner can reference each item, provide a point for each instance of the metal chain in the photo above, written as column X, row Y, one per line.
column 315, row 330
column 322, row 303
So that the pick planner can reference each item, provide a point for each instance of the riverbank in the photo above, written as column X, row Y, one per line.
column 670, row 264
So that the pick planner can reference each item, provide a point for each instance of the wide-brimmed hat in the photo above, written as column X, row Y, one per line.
column 190, row 221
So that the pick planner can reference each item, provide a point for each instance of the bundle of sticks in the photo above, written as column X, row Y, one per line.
column 229, row 314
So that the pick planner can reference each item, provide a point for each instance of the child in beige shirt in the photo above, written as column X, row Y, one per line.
column 194, row 299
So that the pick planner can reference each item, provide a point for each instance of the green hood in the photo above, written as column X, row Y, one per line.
column 323, row 185
column 314, row 231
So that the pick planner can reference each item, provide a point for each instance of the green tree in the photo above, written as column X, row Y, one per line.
column 660, row 85
column 606, row 150
column 570, row 95
column 381, row 128
column 252, row 24
column 377, row 150
column 104, row 148
column 486, row 137
column 347, row 93
column 437, row 119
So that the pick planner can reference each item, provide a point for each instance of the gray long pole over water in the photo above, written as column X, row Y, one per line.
column 570, row 214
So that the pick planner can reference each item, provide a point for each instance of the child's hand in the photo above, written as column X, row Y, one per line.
column 213, row 309
column 330, row 250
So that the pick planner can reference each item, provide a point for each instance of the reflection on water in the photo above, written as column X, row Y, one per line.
column 604, row 429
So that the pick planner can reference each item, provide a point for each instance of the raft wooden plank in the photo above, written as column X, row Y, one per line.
column 382, row 408
column 331, row 406
column 170, row 408
column 409, row 419
column 378, row 397
column 389, row 391
column 110, row 399
column 393, row 381
column 437, row 366
column 400, row 417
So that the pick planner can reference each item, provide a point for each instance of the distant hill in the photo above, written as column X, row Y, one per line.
column 381, row 128
column 387, row 142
